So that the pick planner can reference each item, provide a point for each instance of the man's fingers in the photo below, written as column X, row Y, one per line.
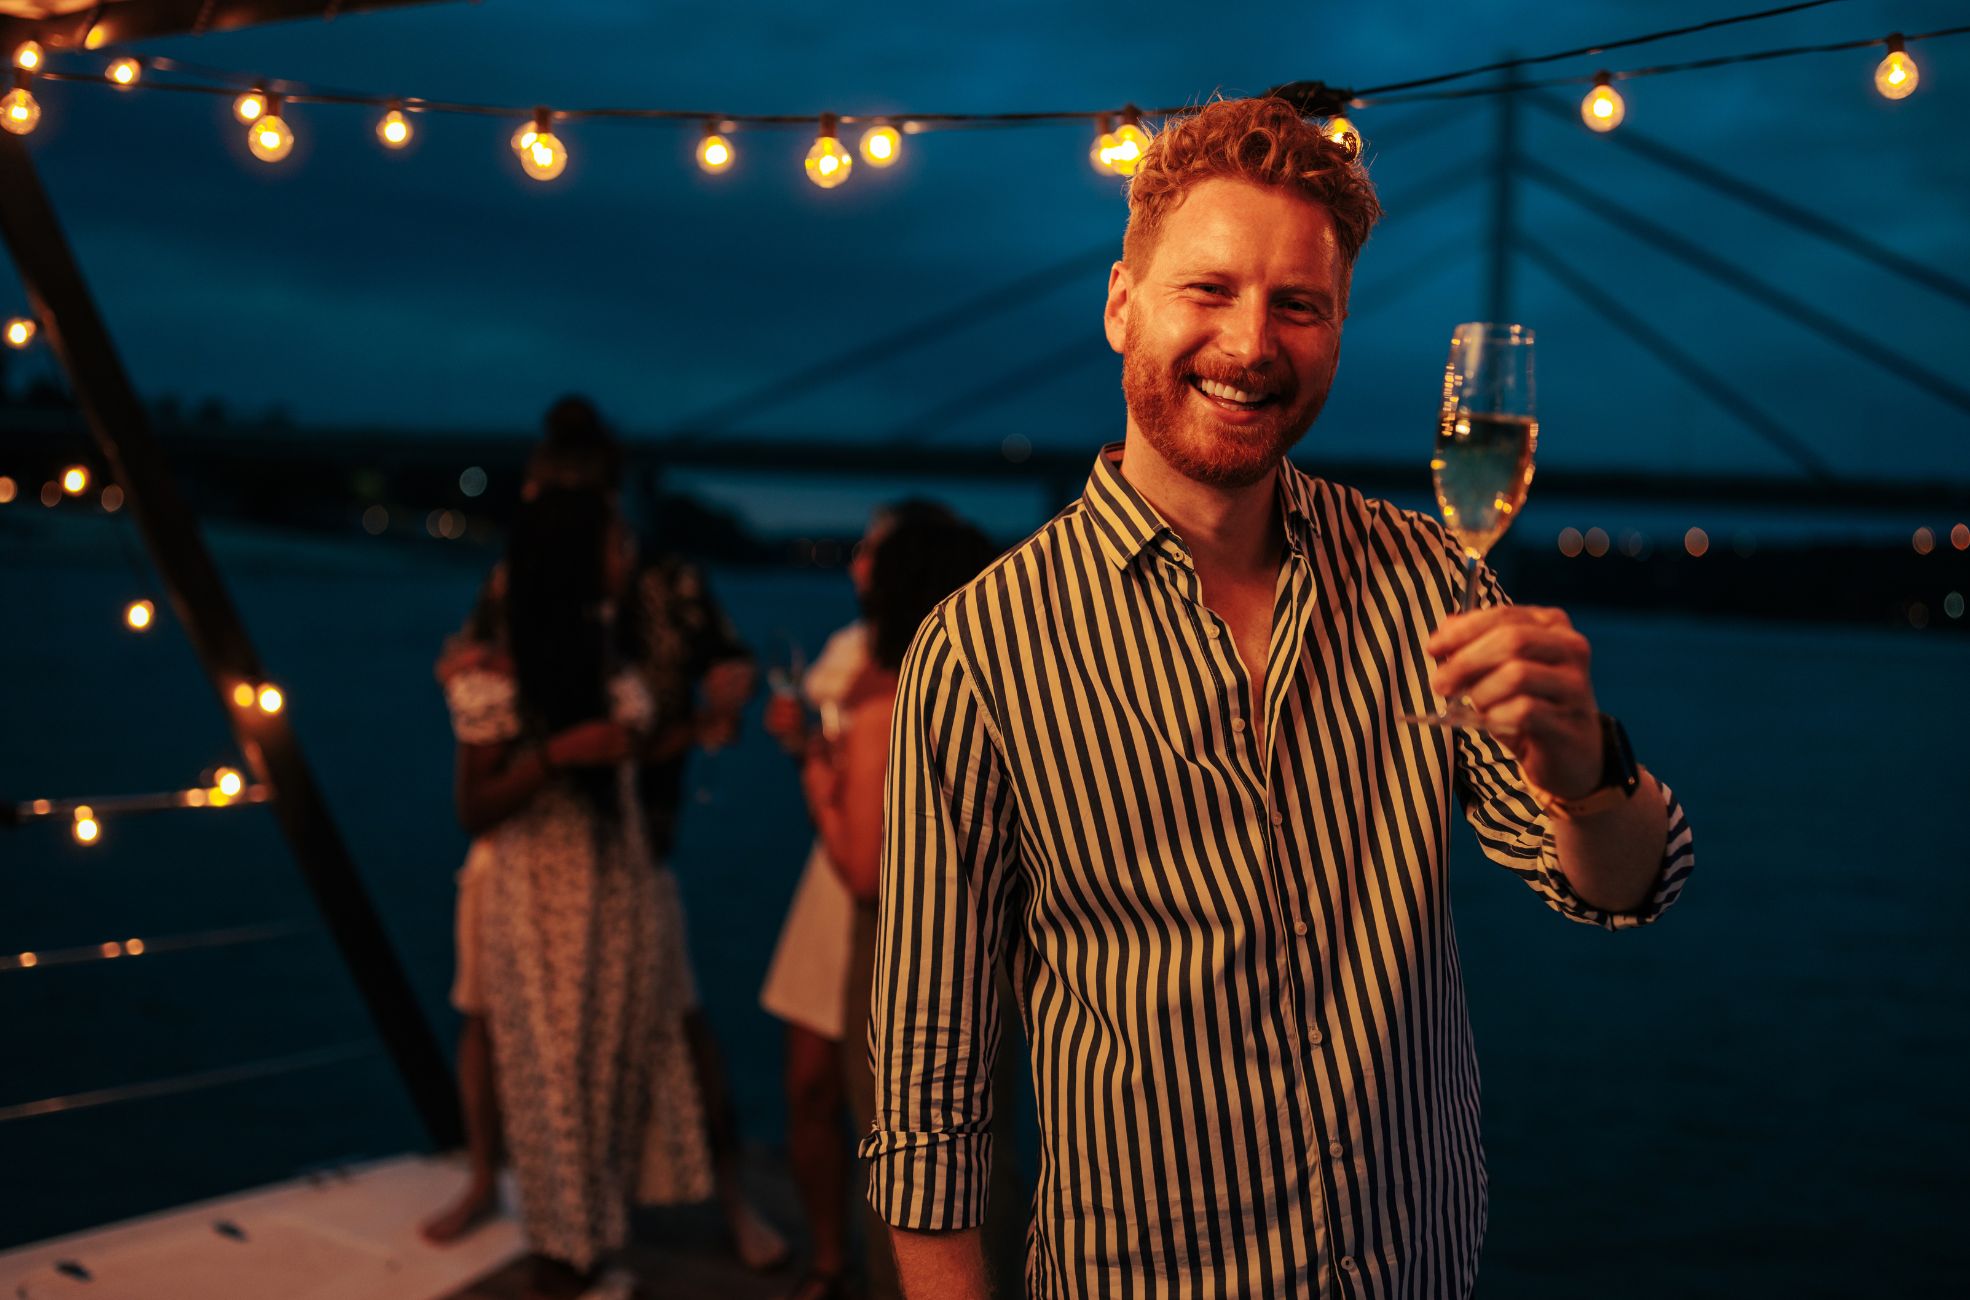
column 1557, row 684
column 1460, row 630
column 1537, row 642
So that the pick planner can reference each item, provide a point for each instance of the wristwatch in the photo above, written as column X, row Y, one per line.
column 1619, row 777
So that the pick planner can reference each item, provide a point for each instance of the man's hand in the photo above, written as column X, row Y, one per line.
column 1525, row 670
column 471, row 656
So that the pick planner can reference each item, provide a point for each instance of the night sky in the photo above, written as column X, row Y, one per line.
column 438, row 289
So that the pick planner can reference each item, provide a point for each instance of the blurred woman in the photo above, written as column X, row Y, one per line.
column 919, row 558
column 580, row 958
column 808, row 974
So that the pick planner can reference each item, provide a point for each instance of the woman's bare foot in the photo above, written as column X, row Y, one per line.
column 759, row 1245
column 479, row 1202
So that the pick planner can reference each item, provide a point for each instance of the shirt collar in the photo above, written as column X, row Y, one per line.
column 1127, row 525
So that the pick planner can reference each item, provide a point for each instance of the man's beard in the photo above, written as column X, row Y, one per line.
column 1183, row 431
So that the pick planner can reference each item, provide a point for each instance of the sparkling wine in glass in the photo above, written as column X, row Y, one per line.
column 1487, row 434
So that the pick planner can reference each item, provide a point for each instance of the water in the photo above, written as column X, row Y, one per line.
column 1758, row 1096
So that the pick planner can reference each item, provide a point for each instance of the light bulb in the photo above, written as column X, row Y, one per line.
column 828, row 164
column 715, row 152
column 75, row 480
column 87, row 829
column 140, row 615
column 542, row 155
column 269, row 138
column 28, row 56
column 881, row 145
column 1896, row 76
column 20, row 332
column 545, row 157
column 249, row 107
column 243, row 695
column 18, row 111
column 394, row 129
column 125, row 72
column 1603, row 108
column 1131, row 141
column 1343, row 133
column 271, row 699
column 1101, row 153
column 228, row 782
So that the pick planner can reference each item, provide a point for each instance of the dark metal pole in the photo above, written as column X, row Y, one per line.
column 81, row 343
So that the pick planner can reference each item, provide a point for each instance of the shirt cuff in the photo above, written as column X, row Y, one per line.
column 1678, row 859
column 928, row 1182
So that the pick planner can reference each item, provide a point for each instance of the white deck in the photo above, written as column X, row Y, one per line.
column 348, row 1234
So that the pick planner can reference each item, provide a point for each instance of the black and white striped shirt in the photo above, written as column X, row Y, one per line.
column 1251, row 1053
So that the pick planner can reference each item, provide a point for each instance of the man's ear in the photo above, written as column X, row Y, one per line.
column 1115, row 316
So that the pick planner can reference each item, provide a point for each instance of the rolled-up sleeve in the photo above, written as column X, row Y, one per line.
column 1515, row 834
column 934, row 1022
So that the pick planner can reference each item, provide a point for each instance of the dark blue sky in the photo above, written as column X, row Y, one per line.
column 437, row 288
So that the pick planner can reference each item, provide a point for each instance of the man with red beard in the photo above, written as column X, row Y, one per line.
column 1154, row 759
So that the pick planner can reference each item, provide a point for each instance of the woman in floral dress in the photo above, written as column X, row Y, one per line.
column 585, row 977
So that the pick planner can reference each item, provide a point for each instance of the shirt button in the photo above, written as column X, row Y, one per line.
column 1278, row 818
column 1334, row 1150
column 1238, row 724
column 1212, row 630
column 1299, row 927
column 1347, row 1262
column 1315, row 1037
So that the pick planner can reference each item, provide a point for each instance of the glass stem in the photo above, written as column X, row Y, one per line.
column 1470, row 583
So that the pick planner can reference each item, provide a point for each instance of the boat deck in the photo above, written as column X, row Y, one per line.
column 351, row 1234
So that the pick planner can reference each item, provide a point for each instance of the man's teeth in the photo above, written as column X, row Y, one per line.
column 1212, row 388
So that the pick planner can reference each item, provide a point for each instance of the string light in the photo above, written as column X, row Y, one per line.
column 19, row 113
column 87, row 829
column 28, row 56
column 1603, row 108
column 8, row 489
column 125, row 72
column 269, row 137
column 20, row 332
column 75, row 480
column 881, row 145
column 271, row 699
column 1101, row 152
column 139, row 615
column 715, row 152
column 394, row 129
column 1343, row 133
column 542, row 156
column 249, row 107
column 112, row 499
column 828, row 164
column 1896, row 76
column 228, row 782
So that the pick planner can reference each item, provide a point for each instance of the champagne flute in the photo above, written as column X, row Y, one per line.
column 1486, row 435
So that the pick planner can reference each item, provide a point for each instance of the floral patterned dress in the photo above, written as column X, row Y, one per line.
column 586, row 982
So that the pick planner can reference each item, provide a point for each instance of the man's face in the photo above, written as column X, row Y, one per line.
column 1230, row 334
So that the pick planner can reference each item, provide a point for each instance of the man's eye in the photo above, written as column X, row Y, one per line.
column 1210, row 288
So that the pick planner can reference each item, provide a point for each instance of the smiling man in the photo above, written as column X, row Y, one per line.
column 1153, row 760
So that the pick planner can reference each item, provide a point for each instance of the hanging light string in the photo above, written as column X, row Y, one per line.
column 1664, row 69
column 1506, row 65
column 225, row 83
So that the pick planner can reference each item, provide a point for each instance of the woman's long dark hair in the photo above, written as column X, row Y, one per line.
column 564, row 646
column 926, row 554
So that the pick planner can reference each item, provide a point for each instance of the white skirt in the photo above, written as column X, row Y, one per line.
column 810, row 966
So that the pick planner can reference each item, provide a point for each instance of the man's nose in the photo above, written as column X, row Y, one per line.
column 1247, row 334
